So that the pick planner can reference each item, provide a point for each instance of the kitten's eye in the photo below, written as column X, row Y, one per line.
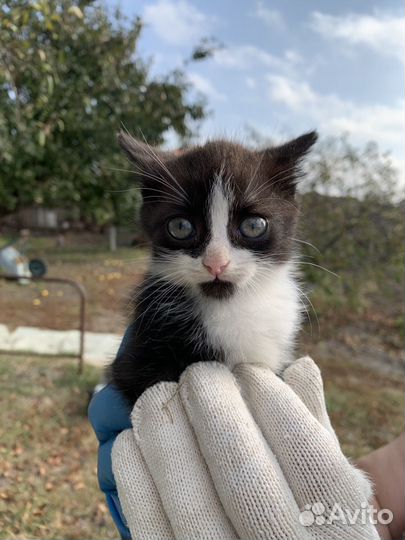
column 253, row 227
column 180, row 228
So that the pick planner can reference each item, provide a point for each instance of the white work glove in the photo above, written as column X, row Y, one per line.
column 225, row 455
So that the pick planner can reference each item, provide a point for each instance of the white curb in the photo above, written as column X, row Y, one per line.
column 99, row 348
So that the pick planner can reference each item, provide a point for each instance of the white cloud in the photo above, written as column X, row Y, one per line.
column 333, row 115
column 205, row 86
column 271, row 17
column 399, row 165
column 177, row 22
column 383, row 33
column 247, row 57
column 250, row 82
column 244, row 56
column 293, row 57
column 293, row 94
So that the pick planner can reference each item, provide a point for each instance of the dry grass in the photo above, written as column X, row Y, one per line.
column 366, row 407
column 48, row 452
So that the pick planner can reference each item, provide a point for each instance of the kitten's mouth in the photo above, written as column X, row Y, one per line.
column 217, row 288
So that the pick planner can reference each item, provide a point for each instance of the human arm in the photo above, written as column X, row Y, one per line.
column 386, row 467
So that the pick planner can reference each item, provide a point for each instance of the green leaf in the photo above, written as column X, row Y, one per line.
column 49, row 80
column 76, row 11
column 41, row 138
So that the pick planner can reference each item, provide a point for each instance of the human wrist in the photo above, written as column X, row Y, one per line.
column 385, row 467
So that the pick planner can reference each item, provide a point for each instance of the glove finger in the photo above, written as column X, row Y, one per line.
column 171, row 451
column 137, row 492
column 312, row 462
column 246, row 475
column 305, row 378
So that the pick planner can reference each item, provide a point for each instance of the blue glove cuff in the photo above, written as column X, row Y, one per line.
column 114, row 506
column 109, row 415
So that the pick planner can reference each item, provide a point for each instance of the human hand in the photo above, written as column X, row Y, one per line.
column 237, row 455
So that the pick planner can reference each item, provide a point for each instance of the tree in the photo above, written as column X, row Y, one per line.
column 70, row 76
column 350, row 213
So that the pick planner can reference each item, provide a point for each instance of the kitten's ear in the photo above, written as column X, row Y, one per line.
column 285, row 160
column 293, row 151
column 139, row 153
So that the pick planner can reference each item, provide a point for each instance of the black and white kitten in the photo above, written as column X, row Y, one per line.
column 221, row 284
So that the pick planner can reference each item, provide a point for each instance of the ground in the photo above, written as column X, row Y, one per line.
column 48, row 452
column 48, row 486
column 108, row 278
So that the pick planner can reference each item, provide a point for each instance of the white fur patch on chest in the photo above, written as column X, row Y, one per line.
column 256, row 325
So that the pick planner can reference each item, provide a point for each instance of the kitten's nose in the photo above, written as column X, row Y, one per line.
column 216, row 268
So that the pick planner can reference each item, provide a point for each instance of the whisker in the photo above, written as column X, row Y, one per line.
column 255, row 173
column 293, row 170
column 304, row 242
column 153, row 177
column 321, row 267
column 270, row 198
column 264, row 185
column 164, row 167
column 161, row 180
column 116, row 169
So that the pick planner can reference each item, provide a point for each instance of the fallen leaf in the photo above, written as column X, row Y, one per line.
column 101, row 507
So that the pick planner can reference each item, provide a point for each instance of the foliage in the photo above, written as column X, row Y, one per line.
column 69, row 76
column 349, row 213
column 206, row 48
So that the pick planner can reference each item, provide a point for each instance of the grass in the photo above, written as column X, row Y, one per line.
column 366, row 408
column 48, row 452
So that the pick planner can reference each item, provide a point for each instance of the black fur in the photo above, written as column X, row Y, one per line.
column 217, row 289
column 159, row 345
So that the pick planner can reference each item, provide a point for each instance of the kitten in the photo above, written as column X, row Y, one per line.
column 221, row 283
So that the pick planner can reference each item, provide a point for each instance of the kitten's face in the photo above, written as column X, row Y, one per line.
column 219, row 216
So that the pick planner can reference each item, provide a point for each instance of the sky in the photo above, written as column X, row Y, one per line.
column 287, row 66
